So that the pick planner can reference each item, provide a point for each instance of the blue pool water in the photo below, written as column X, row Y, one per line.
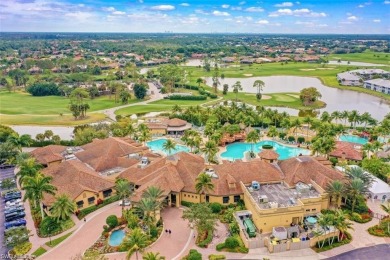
column 236, row 150
column 157, row 145
column 116, row 237
column 353, row 139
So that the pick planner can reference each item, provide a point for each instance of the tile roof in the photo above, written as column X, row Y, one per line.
column 347, row 150
column 268, row 154
column 73, row 177
column 306, row 168
column 104, row 154
column 48, row 154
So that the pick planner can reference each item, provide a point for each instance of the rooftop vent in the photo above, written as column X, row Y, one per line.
column 144, row 162
column 255, row 185
column 69, row 150
column 211, row 172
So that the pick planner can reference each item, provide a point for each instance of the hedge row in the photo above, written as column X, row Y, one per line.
column 180, row 97
column 84, row 212
column 208, row 239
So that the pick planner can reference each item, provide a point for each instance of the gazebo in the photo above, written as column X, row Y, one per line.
column 269, row 155
column 177, row 126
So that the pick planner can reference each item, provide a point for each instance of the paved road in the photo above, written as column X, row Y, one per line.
column 377, row 252
column 4, row 174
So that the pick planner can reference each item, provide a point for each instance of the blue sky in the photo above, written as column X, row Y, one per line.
column 190, row 16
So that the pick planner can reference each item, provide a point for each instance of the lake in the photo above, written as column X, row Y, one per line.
column 63, row 131
column 355, row 63
column 336, row 99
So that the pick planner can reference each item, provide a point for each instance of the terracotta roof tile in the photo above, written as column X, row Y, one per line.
column 268, row 154
column 48, row 154
column 348, row 150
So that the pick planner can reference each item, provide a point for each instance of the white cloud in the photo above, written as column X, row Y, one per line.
column 141, row 1
column 109, row 9
column 200, row 11
column 285, row 4
column 376, row 20
column 361, row 6
column 297, row 12
column 163, row 7
column 118, row 13
column 219, row 13
column 352, row 18
column 262, row 22
column 225, row 6
column 254, row 9
column 81, row 16
column 236, row 8
column 185, row 4
column 386, row 2
column 242, row 3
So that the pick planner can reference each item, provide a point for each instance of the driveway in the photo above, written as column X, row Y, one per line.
column 367, row 253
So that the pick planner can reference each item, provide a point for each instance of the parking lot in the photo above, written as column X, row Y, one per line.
column 4, row 174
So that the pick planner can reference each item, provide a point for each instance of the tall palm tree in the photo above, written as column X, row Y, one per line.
column 259, row 84
column 359, row 173
column 144, row 133
column 148, row 207
column 336, row 189
column 365, row 118
column 204, row 184
column 27, row 168
column 191, row 138
column 153, row 192
column 308, row 120
column 355, row 189
column 252, row 137
column 368, row 148
column 342, row 223
column 36, row 187
column 63, row 207
column 168, row 146
column 295, row 124
column 136, row 241
column 20, row 141
column 210, row 149
column 152, row 256
column 344, row 115
column 336, row 115
column 236, row 88
column 124, row 190
column 353, row 117
column 325, row 117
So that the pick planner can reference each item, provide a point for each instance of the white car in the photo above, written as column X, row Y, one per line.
column 126, row 202
column 11, row 203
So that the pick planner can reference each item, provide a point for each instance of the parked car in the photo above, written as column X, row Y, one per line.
column 14, row 209
column 14, row 205
column 15, row 223
column 10, row 192
column 16, row 202
column 14, row 215
column 126, row 202
column 12, row 197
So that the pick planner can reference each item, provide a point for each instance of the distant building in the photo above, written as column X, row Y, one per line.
column 349, row 79
column 380, row 85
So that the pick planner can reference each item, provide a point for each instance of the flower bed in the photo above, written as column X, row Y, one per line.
column 84, row 212
column 381, row 230
column 347, row 239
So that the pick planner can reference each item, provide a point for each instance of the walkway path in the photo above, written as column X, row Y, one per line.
column 110, row 113
column 84, row 236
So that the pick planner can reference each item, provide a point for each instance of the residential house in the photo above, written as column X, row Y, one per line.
column 380, row 85
column 347, row 151
column 349, row 79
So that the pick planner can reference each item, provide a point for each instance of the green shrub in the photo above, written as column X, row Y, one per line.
column 217, row 257
column 282, row 135
column 153, row 231
column 21, row 249
column 301, row 139
column 327, row 247
column 291, row 138
column 186, row 204
column 231, row 242
column 82, row 213
column 49, row 226
column 194, row 255
column 216, row 207
column 208, row 239
column 39, row 89
column 267, row 146
column 234, row 228
column 181, row 97
column 220, row 246
column 112, row 221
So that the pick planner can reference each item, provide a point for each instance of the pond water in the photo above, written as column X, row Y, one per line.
column 353, row 139
column 336, row 99
column 116, row 237
column 64, row 132
column 355, row 63
column 236, row 150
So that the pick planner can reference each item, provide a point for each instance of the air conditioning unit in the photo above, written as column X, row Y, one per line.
column 255, row 185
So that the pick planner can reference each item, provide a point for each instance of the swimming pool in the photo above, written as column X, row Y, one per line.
column 236, row 150
column 157, row 145
column 116, row 237
column 353, row 139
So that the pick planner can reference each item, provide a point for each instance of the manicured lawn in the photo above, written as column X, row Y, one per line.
column 66, row 120
column 179, row 102
column 16, row 103
column 367, row 56
column 58, row 240
column 40, row 251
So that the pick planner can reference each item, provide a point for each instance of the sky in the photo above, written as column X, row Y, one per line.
column 196, row 16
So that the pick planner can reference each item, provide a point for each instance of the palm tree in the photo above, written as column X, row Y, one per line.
column 210, row 149
column 136, row 241
column 199, row 81
column 324, row 221
column 204, row 184
column 148, row 207
column 336, row 115
column 325, row 117
column 344, row 115
column 252, row 137
column 236, row 88
column 154, row 193
column 295, row 124
column 336, row 189
column 356, row 188
column 152, row 256
column 169, row 145
column 359, row 173
column 353, row 117
column 63, row 207
column 365, row 118
column 191, row 138
column 308, row 120
column 341, row 223
column 124, row 190
column 368, row 148
column 36, row 187
column 259, row 84
column 27, row 168
column 20, row 141
column 176, row 109
column 144, row 133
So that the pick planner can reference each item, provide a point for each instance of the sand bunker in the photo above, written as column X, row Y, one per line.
column 306, row 69
column 248, row 75
column 265, row 97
